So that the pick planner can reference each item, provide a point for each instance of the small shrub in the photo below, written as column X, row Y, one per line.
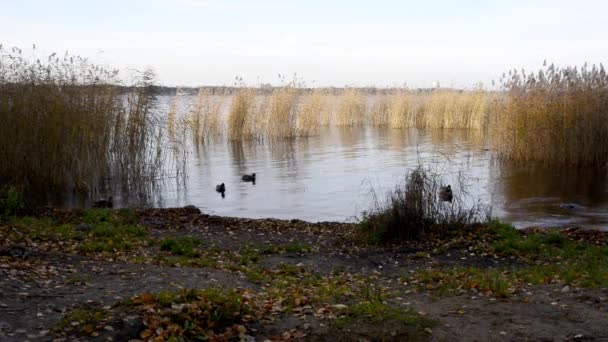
column 11, row 201
column 415, row 208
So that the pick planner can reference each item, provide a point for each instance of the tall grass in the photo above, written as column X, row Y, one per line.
column 66, row 126
column 403, row 109
column 241, row 115
column 309, row 116
column 205, row 117
column 282, row 113
column 454, row 109
column 556, row 116
column 351, row 110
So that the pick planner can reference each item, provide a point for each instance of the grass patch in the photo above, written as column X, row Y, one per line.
column 12, row 202
column 181, row 246
column 548, row 257
column 104, row 233
column 381, row 321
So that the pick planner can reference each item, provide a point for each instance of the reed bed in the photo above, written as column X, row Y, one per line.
column 242, row 113
column 67, row 127
column 290, row 112
column 282, row 113
column 310, row 114
column 403, row 109
column 205, row 117
column 352, row 108
column 453, row 109
column 556, row 116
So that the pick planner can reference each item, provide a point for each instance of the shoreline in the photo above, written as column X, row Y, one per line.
column 92, row 274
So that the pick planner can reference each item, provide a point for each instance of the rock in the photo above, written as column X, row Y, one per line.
column 15, row 252
column 340, row 307
column 83, row 228
column 190, row 209
column 130, row 327
column 5, row 327
column 571, row 206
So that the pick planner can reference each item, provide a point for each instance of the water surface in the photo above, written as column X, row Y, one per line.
column 330, row 177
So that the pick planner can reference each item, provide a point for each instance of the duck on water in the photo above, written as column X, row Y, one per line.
column 249, row 178
column 445, row 194
column 104, row 203
column 221, row 188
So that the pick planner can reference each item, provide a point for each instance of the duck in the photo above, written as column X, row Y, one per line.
column 104, row 203
column 220, row 188
column 249, row 178
column 445, row 194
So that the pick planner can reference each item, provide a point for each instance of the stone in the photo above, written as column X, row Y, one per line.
column 5, row 327
column 83, row 228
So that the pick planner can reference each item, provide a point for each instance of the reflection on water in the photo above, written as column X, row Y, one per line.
column 328, row 177
column 553, row 197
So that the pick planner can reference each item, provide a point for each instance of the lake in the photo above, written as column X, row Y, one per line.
column 336, row 175
column 339, row 173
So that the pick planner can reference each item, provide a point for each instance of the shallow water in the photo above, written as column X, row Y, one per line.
column 331, row 177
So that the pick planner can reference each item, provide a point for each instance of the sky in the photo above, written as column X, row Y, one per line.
column 326, row 43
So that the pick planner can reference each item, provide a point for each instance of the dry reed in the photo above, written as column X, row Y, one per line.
column 205, row 117
column 241, row 115
column 308, row 119
column 351, row 111
column 554, row 116
column 67, row 126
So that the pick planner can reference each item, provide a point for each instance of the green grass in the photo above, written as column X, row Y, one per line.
column 107, row 232
column 542, row 258
column 181, row 246
column 378, row 312
column 11, row 201
column 381, row 321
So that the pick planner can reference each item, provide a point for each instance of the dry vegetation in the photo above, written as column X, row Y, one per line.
column 555, row 116
column 205, row 117
column 68, row 126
